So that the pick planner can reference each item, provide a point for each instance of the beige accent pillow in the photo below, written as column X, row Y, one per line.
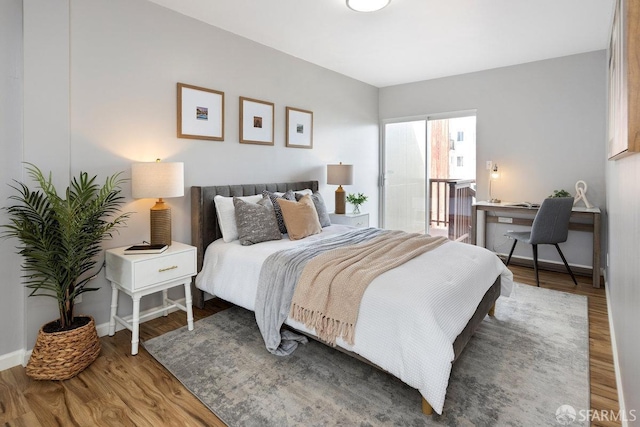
column 300, row 217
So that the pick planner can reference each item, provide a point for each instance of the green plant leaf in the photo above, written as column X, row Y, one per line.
column 560, row 193
column 60, row 238
column 356, row 199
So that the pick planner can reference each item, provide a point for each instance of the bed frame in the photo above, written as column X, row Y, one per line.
column 205, row 229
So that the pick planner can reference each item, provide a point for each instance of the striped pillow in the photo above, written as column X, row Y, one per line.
column 276, row 206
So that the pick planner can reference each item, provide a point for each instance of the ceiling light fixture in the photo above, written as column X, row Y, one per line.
column 367, row 5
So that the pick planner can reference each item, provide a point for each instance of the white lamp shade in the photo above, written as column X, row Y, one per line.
column 340, row 174
column 367, row 5
column 157, row 180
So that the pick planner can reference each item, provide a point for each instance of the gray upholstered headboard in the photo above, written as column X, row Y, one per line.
column 204, row 220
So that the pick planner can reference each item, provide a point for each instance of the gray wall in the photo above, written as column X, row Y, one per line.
column 46, row 119
column 543, row 123
column 106, row 71
column 623, row 278
column 12, row 301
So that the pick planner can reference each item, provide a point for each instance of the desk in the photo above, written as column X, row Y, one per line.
column 506, row 210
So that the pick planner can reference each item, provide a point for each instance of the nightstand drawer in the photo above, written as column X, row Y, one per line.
column 360, row 223
column 360, row 220
column 162, row 269
column 136, row 272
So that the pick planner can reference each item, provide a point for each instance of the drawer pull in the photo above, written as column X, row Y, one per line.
column 173, row 267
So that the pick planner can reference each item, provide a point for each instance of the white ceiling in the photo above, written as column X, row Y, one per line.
column 412, row 40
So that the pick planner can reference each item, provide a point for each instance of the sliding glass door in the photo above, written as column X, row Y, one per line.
column 403, row 179
column 428, row 172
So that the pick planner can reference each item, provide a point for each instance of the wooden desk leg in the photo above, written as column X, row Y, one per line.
column 596, row 250
column 474, row 224
column 484, row 228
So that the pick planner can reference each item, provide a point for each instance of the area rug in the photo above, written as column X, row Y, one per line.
column 519, row 369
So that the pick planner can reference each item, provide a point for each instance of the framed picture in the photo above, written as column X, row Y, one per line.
column 256, row 121
column 624, row 82
column 299, row 128
column 200, row 113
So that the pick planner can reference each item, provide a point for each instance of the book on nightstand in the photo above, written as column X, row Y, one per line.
column 145, row 249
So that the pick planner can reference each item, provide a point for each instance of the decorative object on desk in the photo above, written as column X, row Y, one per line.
column 59, row 239
column 560, row 193
column 340, row 175
column 581, row 194
column 356, row 200
column 200, row 113
column 299, row 128
column 495, row 175
column 158, row 180
column 256, row 121
column 527, row 205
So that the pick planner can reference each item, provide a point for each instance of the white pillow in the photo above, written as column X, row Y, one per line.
column 303, row 192
column 227, row 215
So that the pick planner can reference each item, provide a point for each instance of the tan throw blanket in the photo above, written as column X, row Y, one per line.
column 327, row 297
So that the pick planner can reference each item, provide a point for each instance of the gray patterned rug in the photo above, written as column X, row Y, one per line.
column 519, row 368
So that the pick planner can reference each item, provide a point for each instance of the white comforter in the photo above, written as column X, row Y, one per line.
column 409, row 316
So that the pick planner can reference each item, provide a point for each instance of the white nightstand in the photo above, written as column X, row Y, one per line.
column 360, row 220
column 140, row 275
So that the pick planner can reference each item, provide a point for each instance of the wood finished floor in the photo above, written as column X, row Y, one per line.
column 123, row 390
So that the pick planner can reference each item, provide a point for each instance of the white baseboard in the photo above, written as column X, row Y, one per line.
column 560, row 264
column 12, row 359
column 614, row 350
column 21, row 357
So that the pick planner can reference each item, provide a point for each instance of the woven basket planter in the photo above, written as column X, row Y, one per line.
column 62, row 355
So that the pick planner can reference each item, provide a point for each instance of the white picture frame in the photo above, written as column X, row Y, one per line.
column 200, row 113
column 256, row 121
column 299, row 128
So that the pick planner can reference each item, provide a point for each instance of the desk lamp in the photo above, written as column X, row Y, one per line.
column 157, row 179
column 494, row 176
column 340, row 175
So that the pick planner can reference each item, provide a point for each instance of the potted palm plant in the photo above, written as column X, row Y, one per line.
column 60, row 237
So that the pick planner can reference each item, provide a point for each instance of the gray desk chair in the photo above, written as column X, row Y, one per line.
column 550, row 227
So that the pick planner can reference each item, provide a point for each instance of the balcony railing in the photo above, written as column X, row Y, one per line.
column 450, row 211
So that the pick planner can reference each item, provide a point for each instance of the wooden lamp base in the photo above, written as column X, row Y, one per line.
column 160, row 224
column 341, row 200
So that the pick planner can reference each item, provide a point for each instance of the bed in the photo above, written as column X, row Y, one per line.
column 388, row 333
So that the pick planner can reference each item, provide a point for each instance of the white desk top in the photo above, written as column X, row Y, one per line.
column 515, row 205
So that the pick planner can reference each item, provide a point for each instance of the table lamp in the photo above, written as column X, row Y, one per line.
column 340, row 175
column 158, row 180
column 494, row 175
